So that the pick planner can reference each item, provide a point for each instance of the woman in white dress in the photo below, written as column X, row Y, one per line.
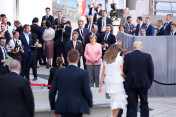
column 112, row 76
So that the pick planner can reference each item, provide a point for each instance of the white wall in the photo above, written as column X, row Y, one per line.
column 28, row 9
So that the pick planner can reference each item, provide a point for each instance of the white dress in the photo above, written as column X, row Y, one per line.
column 114, row 84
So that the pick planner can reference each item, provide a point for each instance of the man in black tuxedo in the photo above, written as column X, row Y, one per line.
column 3, row 54
column 27, row 41
column 75, row 44
column 18, row 26
column 59, row 18
column 167, row 24
column 72, row 84
column 161, row 31
column 173, row 29
column 107, row 39
column 16, row 98
column 139, row 26
column 93, row 12
column 82, row 38
column 94, row 30
column 6, row 32
column 139, row 70
column 48, row 17
column 62, row 37
column 36, row 29
column 103, row 22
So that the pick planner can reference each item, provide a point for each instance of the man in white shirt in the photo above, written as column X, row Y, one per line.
column 59, row 18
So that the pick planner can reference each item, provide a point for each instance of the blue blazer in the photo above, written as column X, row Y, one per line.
column 150, row 31
column 111, row 39
column 74, row 94
column 161, row 32
column 139, row 70
column 99, row 22
column 27, row 47
column 138, row 29
column 168, row 27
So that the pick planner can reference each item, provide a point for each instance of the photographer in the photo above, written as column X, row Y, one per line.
column 62, row 37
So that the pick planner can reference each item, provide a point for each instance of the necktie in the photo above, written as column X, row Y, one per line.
column 81, row 33
column 106, row 36
column 103, row 22
column 4, row 52
column 165, row 25
column 89, row 26
column 172, row 33
column 157, row 31
column 130, row 26
column 74, row 44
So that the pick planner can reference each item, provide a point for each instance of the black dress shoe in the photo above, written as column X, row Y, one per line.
column 35, row 79
column 48, row 66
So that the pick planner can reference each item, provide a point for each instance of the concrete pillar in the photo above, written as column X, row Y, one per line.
column 131, row 4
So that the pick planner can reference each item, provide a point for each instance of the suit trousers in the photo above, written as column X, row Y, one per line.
column 34, row 63
column 71, row 115
column 26, row 64
column 133, row 101
column 94, row 74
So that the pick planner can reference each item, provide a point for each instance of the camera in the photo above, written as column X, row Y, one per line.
column 60, row 26
column 117, row 13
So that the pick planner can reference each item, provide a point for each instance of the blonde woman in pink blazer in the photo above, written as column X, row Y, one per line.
column 93, row 53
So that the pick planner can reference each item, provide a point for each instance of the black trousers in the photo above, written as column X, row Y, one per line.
column 34, row 63
column 71, row 115
column 25, row 66
column 133, row 101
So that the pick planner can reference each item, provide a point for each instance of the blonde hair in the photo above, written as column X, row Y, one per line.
column 93, row 36
column 111, row 54
column 138, row 45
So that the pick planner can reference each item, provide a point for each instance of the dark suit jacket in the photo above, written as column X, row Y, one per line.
column 36, row 29
column 51, row 76
column 160, row 32
column 2, row 68
column 138, row 28
column 174, row 33
column 139, row 70
column 99, row 22
column 111, row 39
column 70, row 46
column 66, row 36
column 16, row 98
column 51, row 19
column 87, row 40
column 74, row 95
column 168, row 28
column 150, row 31
column 85, row 31
column 19, row 29
column 27, row 47
column 95, row 15
column 100, row 12
column 7, row 36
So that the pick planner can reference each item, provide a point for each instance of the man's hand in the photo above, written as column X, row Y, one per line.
column 4, row 61
column 22, row 51
column 80, row 41
column 105, row 45
column 62, row 29
column 129, row 30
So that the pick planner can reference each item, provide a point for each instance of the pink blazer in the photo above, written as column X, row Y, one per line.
column 93, row 53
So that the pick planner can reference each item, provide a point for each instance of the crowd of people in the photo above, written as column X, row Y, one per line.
column 51, row 43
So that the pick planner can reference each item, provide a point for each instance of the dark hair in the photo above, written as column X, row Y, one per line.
column 2, row 38
column 173, row 24
column 147, row 18
column 17, row 22
column 121, row 26
column 3, row 15
column 80, row 21
column 15, row 32
column 129, row 17
column 35, row 20
column 109, row 25
column 59, row 62
column 160, row 21
column 73, row 55
column 8, row 23
column 48, row 23
column 100, row 4
column 89, row 5
column 140, row 18
column 59, row 11
column 170, row 15
column 3, row 23
column 68, row 22
column 144, row 28
column 104, row 11
column 47, row 8
column 25, row 26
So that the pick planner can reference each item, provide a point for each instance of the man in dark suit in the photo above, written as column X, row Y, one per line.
column 66, row 81
column 161, row 31
column 129, row 26
column 93, row 12
column 75, row 44
column 62, row 37
column 48, row 17
column 150, row 30
column 82, row 38
column 167, row 25
column 90, row 23
column 59, row 18
column 36, row 29
column 139, row 70
column 18, row 26
column 173, row 29
column 16, row 98
column 6, row 32
column 107, row 39
column 99, row 11
column 140, row 24
column 3, row 54
column 93, row 32
column 27, row 42
column 103, row 22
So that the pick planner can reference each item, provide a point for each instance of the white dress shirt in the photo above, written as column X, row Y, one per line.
column 27, row 37
column 4, row 52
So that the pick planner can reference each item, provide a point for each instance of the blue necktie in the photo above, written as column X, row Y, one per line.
column 106, row 36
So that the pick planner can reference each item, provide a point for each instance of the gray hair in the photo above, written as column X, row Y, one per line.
column 14, row 64
column 75, row 33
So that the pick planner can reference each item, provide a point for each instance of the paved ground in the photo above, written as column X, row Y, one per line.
column 159, row 106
